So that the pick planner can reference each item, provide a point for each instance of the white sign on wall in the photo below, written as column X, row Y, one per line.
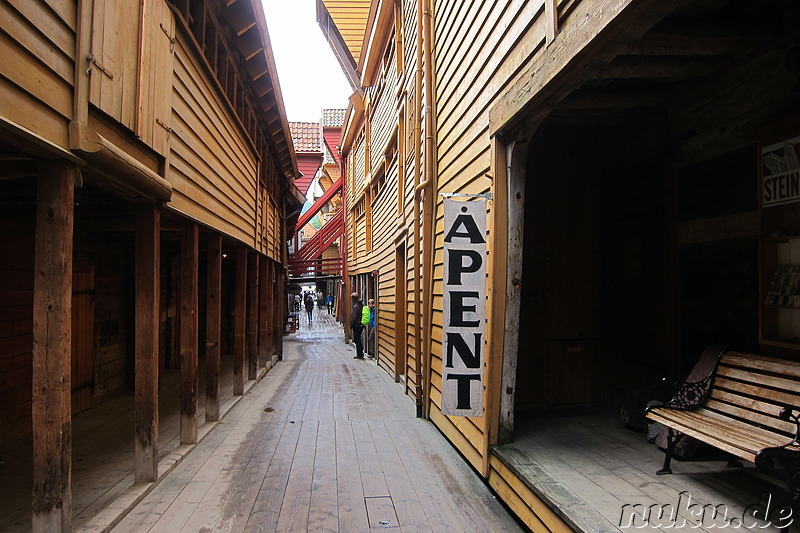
column 781, row 173
column 464, row 307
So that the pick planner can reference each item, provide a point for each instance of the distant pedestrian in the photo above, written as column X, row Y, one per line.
column 296, row 302
column 310, row 307
column 329, row 303
column 355, row 325
column 371, row 348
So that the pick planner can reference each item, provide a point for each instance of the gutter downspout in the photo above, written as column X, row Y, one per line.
column 418, row 394
column 429, row 204
column 345, row 302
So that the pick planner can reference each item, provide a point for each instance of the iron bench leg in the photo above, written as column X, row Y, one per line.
column 672, row 438
column 787, row 462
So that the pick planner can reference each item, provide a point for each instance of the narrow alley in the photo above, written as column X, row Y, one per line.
column 322, row 443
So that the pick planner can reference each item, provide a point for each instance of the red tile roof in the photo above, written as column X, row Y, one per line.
column 306, row 136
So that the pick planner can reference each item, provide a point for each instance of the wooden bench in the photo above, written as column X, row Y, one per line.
column 746, row 406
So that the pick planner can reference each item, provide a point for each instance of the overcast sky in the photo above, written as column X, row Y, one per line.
column 309, row 74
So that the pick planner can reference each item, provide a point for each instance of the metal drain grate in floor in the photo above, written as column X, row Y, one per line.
column 380, row 512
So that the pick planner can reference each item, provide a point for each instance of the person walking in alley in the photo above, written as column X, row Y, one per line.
column 329, row 303
column 309, row 303
column 371, row 329
column 356, row 326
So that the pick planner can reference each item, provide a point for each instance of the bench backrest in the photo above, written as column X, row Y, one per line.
column 754, row 389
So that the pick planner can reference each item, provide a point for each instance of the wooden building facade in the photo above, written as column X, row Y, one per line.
column 147, row 196
column 624, row 145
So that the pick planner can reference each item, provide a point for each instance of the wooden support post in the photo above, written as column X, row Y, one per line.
column 52, row 329
column 252, row 315
column 281, row 307
column 264, row 286
column 148, row 223
column 188, row 332
column 213, row 321
column 239, row 320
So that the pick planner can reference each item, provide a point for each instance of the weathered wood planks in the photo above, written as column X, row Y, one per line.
column 148, row 225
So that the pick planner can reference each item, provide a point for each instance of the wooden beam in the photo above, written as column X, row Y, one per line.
column 264, row 288
column 591, row 39
column 692, row 37
column 213, row 329
column 239, row 320
column 188, row 332
column 587, row 99
column 148, row 222
column 52, row 329
column 252, row 315
column 630, row 67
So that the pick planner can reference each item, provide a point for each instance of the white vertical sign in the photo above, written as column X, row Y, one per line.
column 464, row 306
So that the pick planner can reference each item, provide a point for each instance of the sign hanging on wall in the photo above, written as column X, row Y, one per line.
column 464, row 307
column 781, row 172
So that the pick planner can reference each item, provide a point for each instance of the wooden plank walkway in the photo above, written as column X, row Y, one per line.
column 323, row 443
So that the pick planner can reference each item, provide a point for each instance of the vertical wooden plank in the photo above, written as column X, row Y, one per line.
column 515, row 158
column 148, row 222
column 52, row 324
column 263, row 312
column 551, row 20
column 213, row 321
column 497, row 293
column 188, row 332
column 239, row 320
column 252, row 315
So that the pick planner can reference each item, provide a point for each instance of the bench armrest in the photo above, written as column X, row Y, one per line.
column 691, row 395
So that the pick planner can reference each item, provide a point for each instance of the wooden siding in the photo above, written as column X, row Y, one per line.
column 37, row 71
column 523, row 501
column 359, row 177
column 373, row 192
column 111, row 321
column 212, row 166
column 350, row 17
column 16, row 326
column 480, row 46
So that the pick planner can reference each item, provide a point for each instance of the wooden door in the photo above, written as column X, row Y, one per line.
column 401, row 296
column 82, row 358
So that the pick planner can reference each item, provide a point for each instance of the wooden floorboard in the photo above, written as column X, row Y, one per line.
column 352, row 512
column 605, row 466
column 337, row 449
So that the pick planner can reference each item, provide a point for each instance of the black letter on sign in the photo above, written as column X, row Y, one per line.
column 457, row 342
column 472, row 233
column 457, row 309
column 456, row 266
column 463, row 388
